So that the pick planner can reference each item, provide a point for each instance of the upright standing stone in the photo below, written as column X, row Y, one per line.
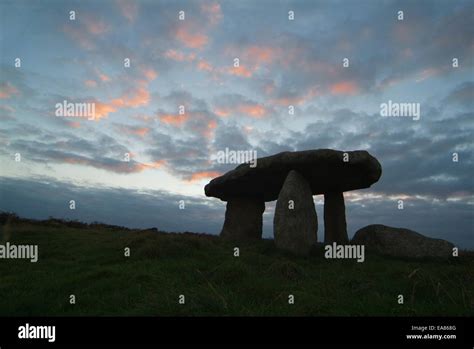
column 335, row 228
column 295, row 224
column 243, row 219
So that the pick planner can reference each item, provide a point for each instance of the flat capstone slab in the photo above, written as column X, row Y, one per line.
column 326, row 170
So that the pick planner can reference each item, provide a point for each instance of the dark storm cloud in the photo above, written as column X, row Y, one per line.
column 102, row 152
column 184, row 157
column 41, row 198
column 462, row 95
column 416, row 157
column 452, row 221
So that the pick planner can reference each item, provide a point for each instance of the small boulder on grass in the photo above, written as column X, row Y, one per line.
column 400, row 242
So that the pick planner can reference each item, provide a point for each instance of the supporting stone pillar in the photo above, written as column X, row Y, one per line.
column 295, row 224
column 335, row 229
column 243, row 219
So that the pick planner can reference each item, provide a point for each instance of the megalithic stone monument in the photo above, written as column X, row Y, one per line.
column 325, row 171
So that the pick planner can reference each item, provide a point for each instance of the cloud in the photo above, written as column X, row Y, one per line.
column 194, row 31
column 138, row 131
column 102, row 110
column 81, row 37
column 86, row 30
column 344, row 88
column 138, row 97
column 222, row 112
column 184, row 155
column 128, row 9
column 90, row 83
column 235, row 104
column 257, row 56
column 103, row 77
column 174, row 119
column 293, row 97
column 260, row 54
column 191, row 38
column 94, row 26
column 462, row 95
column 74, row 124
column 107, row 164
column 212, row 12
column 7, row 90
column 204, row 65
column 179, row 56
column 252, row 109
column 241, row 71
column 231, row 136
column 427, row 74
column 149, row 73
column 198, row 176
column 102, row 152
column 145, row 209
column 7, row 113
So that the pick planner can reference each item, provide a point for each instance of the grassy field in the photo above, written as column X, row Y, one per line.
column 88, row 261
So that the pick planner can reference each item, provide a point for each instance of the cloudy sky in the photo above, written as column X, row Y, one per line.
column 47, row 58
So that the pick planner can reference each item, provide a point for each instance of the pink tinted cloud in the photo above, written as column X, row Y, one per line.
column 344, row 88
column 94, row 26
column 222, row 112
column 179, row 56
column 191, row 38
column 7, row 90
column 149, row 73
column 241, row 71
column 254, row 110
column 128, row 9
column 261, row 54
column 86, row 31
column 251, row 58
column 102, row 110
column 74, row 124
column 174, row 119
column 212, row 11
column 103, row 77
column 248, row 108
column 136, row 98
column 204, row 65
column 197, row 176
column 139, row 97
column 142, row 131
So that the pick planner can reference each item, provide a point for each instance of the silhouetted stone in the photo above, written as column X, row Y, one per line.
column 295, row 223
column 400, row 242
column 324, row 169
column 243, row 219
column 335, row 229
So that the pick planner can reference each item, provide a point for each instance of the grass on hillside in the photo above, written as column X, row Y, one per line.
column 88, row 261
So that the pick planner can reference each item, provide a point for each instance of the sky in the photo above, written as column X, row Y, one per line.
column 333, row 64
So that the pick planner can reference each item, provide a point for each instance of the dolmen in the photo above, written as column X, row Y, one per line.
column 292, row 178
